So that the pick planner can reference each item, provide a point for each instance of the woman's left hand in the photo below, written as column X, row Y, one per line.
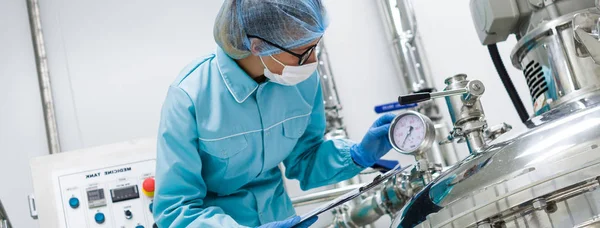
column 374, row 144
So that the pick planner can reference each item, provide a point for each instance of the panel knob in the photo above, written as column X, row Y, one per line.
column 74, row 202
column 128, row 214
column 139, row 226
column 99, row 217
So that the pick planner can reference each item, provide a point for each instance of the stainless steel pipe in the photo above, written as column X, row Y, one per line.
column 367, row 211
column 331, row 98
column 335, row 125
column 41, row 61
column 401, row 31
column 4, row 222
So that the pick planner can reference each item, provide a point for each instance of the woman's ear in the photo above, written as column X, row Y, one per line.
column 254, row 43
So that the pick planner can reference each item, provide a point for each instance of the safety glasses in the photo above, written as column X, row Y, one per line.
column 302, row 58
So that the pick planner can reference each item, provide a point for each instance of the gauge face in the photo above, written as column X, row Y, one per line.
column 409, row 133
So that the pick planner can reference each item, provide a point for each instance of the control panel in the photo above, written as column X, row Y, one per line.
column 117, row 196
column 106, row 186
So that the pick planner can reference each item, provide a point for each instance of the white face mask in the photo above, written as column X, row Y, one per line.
column 291, row 75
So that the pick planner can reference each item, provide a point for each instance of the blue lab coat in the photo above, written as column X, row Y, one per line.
column 222, row 137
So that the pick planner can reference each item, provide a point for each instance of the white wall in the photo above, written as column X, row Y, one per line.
column 22, row 134
column 111, row 62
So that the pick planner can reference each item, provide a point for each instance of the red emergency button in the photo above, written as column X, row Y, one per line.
column 148, row 187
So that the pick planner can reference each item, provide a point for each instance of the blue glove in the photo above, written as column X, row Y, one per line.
column 291, row 222
column 375, row 144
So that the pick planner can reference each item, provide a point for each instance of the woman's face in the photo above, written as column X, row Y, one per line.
column 288, row 59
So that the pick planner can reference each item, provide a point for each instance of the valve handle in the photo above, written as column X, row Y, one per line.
column 473, row 91
column 414, row 98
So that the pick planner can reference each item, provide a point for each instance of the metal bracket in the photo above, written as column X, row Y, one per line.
column 32, row 207
column 494, row 132
column 591, row 44
column 586, row 34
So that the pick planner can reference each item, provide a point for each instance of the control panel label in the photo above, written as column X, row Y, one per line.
column 121, row 170
column 108, row 172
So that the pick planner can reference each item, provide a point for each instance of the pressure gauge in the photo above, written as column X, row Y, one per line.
column 411, row 133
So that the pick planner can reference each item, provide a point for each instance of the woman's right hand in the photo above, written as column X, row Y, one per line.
column 291, row 222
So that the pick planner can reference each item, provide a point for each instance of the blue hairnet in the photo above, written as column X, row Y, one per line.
column 287, row 23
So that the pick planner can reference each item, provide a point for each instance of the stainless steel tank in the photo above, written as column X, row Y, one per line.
column 547, row 177
column 550, row 175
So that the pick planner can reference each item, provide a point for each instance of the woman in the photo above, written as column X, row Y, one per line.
column 232, row 117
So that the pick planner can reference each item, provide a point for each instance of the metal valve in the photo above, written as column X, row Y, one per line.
column 466, row 111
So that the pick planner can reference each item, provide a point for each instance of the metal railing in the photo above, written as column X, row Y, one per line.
column 4, row 222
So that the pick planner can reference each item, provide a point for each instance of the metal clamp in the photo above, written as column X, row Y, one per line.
column 494, row 132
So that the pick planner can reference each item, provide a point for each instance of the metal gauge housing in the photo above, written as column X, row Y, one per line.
column 411, row 133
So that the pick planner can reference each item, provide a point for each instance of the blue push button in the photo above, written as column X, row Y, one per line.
column 99, row 217
column 139, row 226
column 74, row 202
column 150, row 207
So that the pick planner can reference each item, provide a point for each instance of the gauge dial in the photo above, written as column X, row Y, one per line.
column 411, row 133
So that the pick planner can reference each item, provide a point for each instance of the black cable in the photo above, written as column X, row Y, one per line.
column 508, row 85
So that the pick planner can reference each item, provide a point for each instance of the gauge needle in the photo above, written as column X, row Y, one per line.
column 409, row 131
